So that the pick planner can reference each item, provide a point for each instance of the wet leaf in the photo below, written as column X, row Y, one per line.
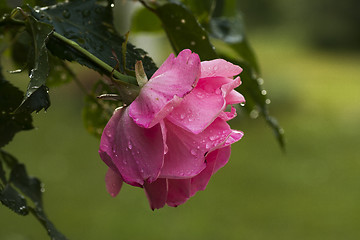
column 29, row 186
column 184, row 31
column 13, row 200
column 90, row 24
column 37, row 97
column 10, row 122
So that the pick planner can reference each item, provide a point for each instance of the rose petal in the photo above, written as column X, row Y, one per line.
column 136, row 152
column 165, row 90
column 226, row 116
column 214, row 160
column 113, row 182
column 178, row 191
column 198, row 110
column 185, row 157
column 219, row 67
column 156, row 192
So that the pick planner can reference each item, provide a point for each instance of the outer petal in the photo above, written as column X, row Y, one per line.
column 156, row 193
column 136, row 152
column 165, row 90
column 214, row 160
column 219, row 67
column 185, row 157
column 178, row 192
column 113, row 182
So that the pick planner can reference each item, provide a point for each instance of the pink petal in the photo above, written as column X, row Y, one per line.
column 185, row 157
column 156, row 192
column 198, row 110
column 178, row 192
column 214, row 160
column 166, row 88
column 226, row 116
column 113, row 182
column 136, row 152
column 230, row 94
column 219, row 67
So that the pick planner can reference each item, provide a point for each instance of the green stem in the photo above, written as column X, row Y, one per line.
column 103, row 65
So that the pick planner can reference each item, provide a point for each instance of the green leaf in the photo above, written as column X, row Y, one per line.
column 29, row 186
column 10, row 198
column 2, row 175
column 10, row 122
column 49, row 226
column 37, row 96
column 90, row 24
column 184, row 31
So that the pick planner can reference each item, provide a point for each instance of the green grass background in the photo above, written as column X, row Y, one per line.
column 312, row 192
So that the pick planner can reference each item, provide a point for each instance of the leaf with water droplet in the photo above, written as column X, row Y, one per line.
column 13, row 200
column 184, row 31
column 39, row 69
column 90, row 24
column 11, row 123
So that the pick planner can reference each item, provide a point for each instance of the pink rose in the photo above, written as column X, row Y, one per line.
column 174, row 136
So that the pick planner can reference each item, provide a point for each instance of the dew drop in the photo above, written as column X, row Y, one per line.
column 192, row 43
column 203, row 37
column 267, row 101
column 183, row 21
column 254, row 114
column 130, row 145
column 109, row 133
column 112, row 5
column 218, row 91
column 193, row 152
column 125, row 162
column 242, row 104
column 215, row 68
column 260, row 81
column 182, row 116
column 207, row 146
column 263, row 92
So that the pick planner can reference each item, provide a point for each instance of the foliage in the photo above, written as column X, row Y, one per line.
column 43, row 36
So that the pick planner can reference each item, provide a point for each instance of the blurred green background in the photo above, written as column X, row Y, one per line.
column 311, row 75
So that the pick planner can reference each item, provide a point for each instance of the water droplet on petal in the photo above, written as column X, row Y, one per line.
column 193, row 152
column 218, row 91
column 182, row 116
column 130, row 145
column 208, row 145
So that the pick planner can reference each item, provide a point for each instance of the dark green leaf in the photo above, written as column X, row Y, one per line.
column 37, row 96
column 96, row 112
column 49, row 226
column 232, row 31
column 13, row 200
column 2, row 175
column 11, row 123
column 184, row 31
column 89, row 24
column 29, row 186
